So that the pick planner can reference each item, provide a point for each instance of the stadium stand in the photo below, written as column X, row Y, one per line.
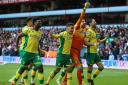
column 114, row 48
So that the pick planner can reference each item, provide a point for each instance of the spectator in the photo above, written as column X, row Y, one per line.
column 125, row 55
column 0, row 50
column 114, row 48
column 5, row 51
column 111, row 56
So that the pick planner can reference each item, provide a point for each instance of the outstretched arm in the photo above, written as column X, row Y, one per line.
column 103, row 40
column 54, row 35
column 77, row 25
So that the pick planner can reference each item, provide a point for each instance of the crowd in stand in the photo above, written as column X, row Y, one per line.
column 115, row 47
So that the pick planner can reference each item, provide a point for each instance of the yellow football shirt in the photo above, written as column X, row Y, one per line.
column 91, row 38
column 32, row 40
column 23, row 40
column 65, row 42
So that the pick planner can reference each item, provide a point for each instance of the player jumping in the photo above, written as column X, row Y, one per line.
column 63, row 58
column 30, row 54
column 92, row 56
column 29, row 25
column 77, row 45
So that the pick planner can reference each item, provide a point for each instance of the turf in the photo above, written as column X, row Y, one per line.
column 108, row 76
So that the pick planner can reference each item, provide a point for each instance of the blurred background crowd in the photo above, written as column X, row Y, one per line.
column 115, row 47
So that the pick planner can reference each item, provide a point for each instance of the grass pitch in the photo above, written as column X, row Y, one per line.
column 107, row 77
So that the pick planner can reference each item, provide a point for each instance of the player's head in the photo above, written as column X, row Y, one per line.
column 69, row 27
column 37, row 24
column 83, row 24
column 29, row 21
column 91, row 22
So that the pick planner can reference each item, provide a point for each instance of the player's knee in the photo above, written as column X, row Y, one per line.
column 101, row 68
column 25, row 77
column 29, row 67
column 40, row 69
column 64, row 71
column 34, row 68
column 22, row 69
column 89, row 71
column 89, row 80
column 70, row 69
column 80, row 68
column 57, row 70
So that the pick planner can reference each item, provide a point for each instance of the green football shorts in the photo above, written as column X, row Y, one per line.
column 28, row 58
column 63, row 60
column 92, row 58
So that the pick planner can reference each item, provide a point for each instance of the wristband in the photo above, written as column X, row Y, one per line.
column 84, row 9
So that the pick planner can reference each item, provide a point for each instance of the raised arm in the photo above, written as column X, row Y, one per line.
column 54, row 35
column 103, row 40
column 77, row 25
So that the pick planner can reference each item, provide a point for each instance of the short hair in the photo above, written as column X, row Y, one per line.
column 88, row 21
column 36, row 19
column 29, row 19
column 69, row 24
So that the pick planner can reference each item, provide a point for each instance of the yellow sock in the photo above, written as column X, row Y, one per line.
column 26, row 82
column 25, row 75
column 17, row 75
column 97, row 72
column 50, row 77
column 69, row 78
column 83, row 81
column 62, row 75
column 33, row 73
column 89, row 78
column 60, row 78
column 41, row 78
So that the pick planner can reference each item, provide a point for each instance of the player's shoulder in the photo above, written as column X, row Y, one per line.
column 89, row 30
column 26, row 28
column 40, row 32
column 63, row 33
